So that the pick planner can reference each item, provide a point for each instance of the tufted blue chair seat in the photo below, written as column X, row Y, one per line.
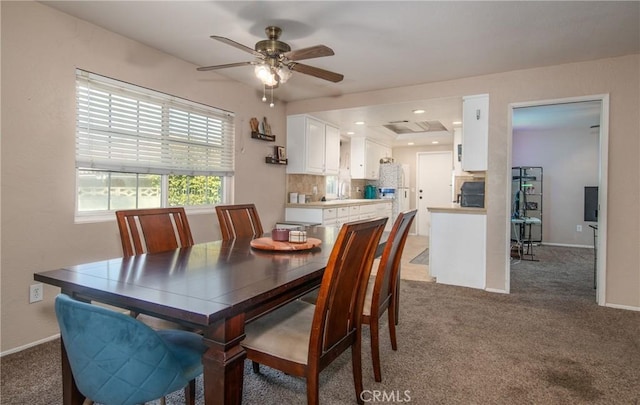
column 118, row 360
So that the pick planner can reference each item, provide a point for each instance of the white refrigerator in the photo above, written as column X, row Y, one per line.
column 396, row 176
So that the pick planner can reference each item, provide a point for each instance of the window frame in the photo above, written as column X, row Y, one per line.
column 214, row 142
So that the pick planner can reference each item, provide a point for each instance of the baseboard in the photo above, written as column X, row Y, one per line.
column 495, row 290
column 627, row 307
column 32, row 344
column 567, row 245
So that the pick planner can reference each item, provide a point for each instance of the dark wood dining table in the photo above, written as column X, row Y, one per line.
column 216, row 287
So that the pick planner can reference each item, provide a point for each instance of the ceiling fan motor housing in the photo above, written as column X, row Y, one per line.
column 272, row 47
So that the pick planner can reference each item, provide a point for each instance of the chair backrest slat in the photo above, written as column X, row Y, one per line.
column 239, row 221
column 153, row 230
column 341, row 295
column 389, row 267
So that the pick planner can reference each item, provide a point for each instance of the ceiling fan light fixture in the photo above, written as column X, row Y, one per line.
column 266, row 76
column 283, row 73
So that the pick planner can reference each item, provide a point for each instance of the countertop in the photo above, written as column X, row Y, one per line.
column 455, row 208
column 338, row 203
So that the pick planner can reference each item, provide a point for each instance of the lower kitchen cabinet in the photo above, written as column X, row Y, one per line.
column 457, row 248
column 337, row 215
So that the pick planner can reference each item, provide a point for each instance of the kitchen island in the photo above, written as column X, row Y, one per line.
column 457, row 245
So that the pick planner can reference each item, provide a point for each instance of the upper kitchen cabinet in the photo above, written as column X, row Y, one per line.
column 313, row 146
column 475, row 132
column 365, row 158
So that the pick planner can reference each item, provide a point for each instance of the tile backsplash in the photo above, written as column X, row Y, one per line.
column 304, row 183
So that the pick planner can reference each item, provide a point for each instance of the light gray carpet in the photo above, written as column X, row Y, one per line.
column 422, row 258
column 545, row 343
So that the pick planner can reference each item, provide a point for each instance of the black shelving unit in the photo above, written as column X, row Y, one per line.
column 526, row 200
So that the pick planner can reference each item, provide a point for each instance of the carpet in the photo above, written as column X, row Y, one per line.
column 422, row 258
column 545, row 343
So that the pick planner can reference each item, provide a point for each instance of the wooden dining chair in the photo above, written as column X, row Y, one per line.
column 302, row 339
column 381, row 294
column 239, row 221
column 153, row 230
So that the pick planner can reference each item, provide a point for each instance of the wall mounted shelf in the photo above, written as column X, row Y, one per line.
column 263, row 137
column 275, row 161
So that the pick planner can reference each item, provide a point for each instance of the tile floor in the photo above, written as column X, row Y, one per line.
column 409, row 271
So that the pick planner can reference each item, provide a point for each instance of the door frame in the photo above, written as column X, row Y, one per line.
column 418, row 175
column 603, row 171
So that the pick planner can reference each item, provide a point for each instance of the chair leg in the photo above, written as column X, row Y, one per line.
column 87, row 401
column 393, row 321
column 190, row 393
column 256, row 367
column 375, row 348
column 356, row 361
column 313, row 388
column 163, row 401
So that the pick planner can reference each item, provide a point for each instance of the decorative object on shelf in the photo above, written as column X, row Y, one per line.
column 275, row 61
column 265, row 128
column 279, row 155
column 261, row 130
column 255, row 126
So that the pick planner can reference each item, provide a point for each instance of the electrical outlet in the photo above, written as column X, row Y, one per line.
column 578, row 228
column 36, row 293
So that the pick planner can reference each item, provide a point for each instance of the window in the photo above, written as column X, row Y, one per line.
column 138, row 148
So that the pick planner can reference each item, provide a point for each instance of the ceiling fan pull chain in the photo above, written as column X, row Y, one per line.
column 272, row 104
column 264, row 93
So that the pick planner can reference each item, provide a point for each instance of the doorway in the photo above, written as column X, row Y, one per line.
column 563, row 221
column 433, row 185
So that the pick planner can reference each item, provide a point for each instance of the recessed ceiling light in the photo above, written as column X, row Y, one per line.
column 350, row 133
column 411, row 143
column 456, row 122
column 359, row 122
column 435, row 142
column 418, row 111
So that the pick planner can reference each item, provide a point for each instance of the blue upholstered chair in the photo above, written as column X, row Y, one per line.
column 116, row 359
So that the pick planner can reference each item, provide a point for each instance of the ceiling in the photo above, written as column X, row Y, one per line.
column 378, row 44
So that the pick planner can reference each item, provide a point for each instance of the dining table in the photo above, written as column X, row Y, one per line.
column 215, row 287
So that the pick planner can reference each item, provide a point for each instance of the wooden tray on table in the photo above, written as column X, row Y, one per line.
column 266, row 243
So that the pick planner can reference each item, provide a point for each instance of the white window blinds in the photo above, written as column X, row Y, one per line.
column 126, row 128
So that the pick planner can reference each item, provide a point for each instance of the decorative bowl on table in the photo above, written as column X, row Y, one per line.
column 280, row 235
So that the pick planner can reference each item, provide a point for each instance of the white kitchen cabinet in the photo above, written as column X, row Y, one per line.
column 329, row 217
column 475, row 132
column 337, row 215
column 313, row 146
column 332, row 150
column 365, row 158
column 385, row 210
column 457, row 248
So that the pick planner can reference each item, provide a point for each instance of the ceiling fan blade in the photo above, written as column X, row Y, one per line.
column 317, row 72
column 310, row 52
column 228, row 65
column 237, row 45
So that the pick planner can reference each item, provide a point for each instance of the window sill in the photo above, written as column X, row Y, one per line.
column 107, row 216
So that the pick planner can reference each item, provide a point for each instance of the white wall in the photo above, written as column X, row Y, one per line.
column 569, row 160
column 41, row 48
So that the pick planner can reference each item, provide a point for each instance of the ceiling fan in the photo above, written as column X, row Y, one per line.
column 274, row 59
